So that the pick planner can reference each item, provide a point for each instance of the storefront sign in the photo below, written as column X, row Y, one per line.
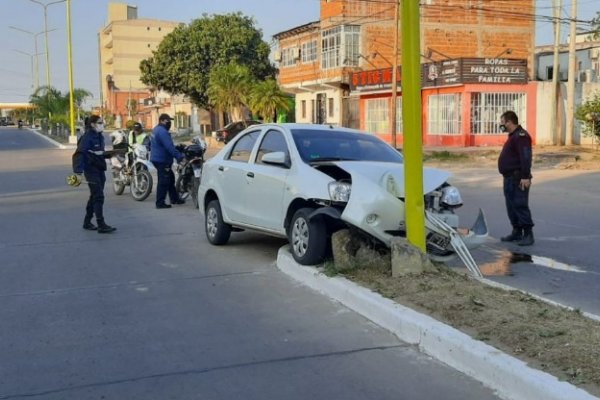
column 379, row 79
column 441, row 73
column 474, row 70
column 494, row 70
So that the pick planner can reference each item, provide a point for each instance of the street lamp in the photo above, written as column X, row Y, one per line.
column 46, row 30
column 34, row 35
column 34, row 77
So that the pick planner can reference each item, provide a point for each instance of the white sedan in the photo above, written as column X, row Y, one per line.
column 303, row 182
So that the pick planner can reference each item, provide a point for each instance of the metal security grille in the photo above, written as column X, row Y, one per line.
column 486, row 109
column 444, row 114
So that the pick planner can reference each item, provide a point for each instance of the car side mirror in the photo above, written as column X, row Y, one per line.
column 275, row 158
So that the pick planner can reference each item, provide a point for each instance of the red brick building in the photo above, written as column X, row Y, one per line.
column 488, row 48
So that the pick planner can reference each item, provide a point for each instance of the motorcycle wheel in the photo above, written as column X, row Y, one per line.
column 141, row 186
column 118, row 187
column 182, row 190
column 195, row 186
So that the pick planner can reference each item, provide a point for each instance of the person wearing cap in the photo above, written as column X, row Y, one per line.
column 162, row 155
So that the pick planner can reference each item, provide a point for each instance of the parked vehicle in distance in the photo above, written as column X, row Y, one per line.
column 304, row 182
column 230, row 130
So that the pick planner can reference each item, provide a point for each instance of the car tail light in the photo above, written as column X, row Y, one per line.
column 225, row 134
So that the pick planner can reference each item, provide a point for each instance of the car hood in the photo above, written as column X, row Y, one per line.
column 391, row 175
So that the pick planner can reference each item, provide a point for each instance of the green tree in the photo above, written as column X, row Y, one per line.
column 49, row 100
column 589, row 114
column 595, row 22
column 229, row 88
column 266, row 98
column 185, row 58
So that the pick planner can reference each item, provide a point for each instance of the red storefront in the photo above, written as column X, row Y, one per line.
column 462, row 100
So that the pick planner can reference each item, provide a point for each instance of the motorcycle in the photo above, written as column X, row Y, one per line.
column 189, row 171
column 20, row 124
column 131, row 168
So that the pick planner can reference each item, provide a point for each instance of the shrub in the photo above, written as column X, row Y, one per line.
column 589, row 114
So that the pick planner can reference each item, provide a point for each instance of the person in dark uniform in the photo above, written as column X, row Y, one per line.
column 162, row 155
column 514, row 164
column 89, row 160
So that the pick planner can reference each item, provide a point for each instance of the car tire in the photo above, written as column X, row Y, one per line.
column 307, row 237
column 217, row 231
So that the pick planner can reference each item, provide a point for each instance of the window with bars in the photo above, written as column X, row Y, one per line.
column 309, row 51
column 444, row 114
column 377, row 116
column 340, row 46
column 486, row 109
column 399, row 124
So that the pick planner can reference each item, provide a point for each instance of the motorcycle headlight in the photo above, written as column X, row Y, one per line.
column 451, row 197
column 340, row 191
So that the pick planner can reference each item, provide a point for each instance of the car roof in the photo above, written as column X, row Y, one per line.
column 317, row 127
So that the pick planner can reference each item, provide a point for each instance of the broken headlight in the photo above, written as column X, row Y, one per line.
column 340, row 191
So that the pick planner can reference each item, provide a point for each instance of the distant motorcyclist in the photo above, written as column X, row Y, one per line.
column 20, row 124
column 138, row 136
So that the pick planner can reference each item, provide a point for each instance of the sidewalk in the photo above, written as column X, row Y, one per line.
column 511, row 378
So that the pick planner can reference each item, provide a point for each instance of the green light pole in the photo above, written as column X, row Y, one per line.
column 411, row 115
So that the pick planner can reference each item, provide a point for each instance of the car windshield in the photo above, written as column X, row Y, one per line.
column 316, row 145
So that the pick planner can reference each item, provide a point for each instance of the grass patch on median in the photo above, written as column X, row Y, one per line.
column 561, row 342
column 445, row 156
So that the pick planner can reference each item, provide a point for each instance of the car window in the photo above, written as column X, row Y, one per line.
column 272, row 141
column 316, row 145
column 243, row 147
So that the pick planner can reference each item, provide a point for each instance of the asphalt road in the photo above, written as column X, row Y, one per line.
column 563, row 264
column 154, row 312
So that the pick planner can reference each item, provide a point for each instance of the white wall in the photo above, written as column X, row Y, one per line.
column 544, row 131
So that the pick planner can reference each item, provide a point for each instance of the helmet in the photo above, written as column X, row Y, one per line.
column 138, row 127
column 193, row 151
column 119, row 139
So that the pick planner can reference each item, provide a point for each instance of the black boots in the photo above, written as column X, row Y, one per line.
column 528, row 239
column 103, row 228
column 515, row 236
column 88, row 226
column 523, row 237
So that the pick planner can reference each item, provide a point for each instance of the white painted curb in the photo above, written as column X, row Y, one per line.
column 54, row 142
column 512, row 379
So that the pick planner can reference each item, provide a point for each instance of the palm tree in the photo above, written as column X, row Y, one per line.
column 79, row 97
column 49, row 101
column 228, row 89
column 266, row 98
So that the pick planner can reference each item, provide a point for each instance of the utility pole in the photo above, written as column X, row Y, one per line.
column 557, row 130
column 572, row 71
column 395, row 75
column 72, row 137
column 411, row 113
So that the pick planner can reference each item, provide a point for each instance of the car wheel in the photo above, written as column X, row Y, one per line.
column 217, row 231
column 307, row 237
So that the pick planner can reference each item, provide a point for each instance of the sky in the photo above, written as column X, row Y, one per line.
column 89, row 16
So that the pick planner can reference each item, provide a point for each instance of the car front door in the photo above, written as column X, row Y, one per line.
column 233, row 172
column 267, row 184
